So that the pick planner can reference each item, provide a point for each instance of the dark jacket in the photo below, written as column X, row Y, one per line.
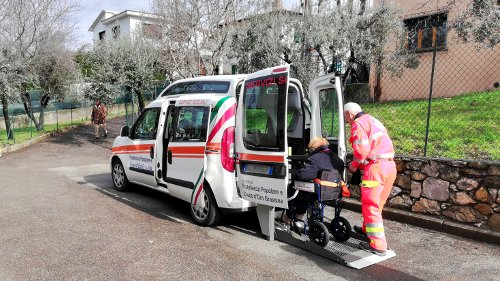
column 320, row 159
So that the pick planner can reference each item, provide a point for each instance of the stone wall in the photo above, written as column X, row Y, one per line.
column 463, row 191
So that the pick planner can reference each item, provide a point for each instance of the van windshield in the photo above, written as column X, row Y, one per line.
column 198, row 87
column 264, row 113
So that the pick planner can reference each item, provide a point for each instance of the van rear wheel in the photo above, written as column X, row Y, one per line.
column 205, row 212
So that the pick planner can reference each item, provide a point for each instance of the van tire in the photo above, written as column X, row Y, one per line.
column 120, row 180
column 210, row 214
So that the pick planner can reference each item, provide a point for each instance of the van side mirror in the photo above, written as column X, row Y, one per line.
column 124, row 132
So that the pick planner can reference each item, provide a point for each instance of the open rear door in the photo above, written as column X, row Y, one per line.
column 261, row 141
column 327, row 111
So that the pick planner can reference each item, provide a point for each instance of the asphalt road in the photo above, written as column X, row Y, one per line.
column 61, row 219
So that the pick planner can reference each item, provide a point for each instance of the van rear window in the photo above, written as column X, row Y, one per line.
column 198, row 87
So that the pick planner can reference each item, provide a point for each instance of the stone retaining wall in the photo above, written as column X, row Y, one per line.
column 463, row 191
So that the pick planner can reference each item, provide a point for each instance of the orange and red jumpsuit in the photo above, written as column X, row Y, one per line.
column 374, row 153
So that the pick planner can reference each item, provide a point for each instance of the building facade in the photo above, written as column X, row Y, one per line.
column 460, row 67
column 112, row 25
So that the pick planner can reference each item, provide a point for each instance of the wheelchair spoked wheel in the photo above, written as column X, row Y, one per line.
column 318, row 234
column 340, row 229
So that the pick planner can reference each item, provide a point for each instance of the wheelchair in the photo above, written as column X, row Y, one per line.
column 328, row 189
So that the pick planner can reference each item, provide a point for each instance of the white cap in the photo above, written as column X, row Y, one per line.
column 352, row 107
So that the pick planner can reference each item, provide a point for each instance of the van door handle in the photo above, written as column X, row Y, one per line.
column 169, row 156
column 152, row 152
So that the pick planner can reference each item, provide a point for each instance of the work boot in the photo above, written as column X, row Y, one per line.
column 366, row 246
column 358, row 229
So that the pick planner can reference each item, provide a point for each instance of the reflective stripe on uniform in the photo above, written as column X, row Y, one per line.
column 376, row 136
column 369, row 184
column 375, row 229
column 356, row 160
column 362, row 142
column 381, row 156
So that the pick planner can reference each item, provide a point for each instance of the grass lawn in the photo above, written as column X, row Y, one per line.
column 465, row 127
column 25, row 134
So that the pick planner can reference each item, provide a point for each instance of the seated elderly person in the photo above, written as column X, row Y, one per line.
column 320, row 158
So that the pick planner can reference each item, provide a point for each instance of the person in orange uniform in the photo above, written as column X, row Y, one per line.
column 373, row 154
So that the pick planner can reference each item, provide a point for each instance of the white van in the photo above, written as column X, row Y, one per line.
column 225, row 143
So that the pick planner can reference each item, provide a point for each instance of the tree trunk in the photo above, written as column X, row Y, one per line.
column 140, row 100
column 325, row 66
column 5, row 110
column 378, row 88
column 29, row 109
column 44, row 101
column 362, row 7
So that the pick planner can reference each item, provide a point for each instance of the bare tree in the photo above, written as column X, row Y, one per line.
column 196, row 33
column 27, row 28
column 132, row 62
column 481, row 21
column 55, row 70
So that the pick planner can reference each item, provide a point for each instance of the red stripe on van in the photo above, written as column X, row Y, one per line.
column 187, row 149
column 187, row 156
column 226, row 116
column 132, row 148
column 263, row 158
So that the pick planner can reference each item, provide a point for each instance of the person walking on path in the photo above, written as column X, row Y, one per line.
column 374, row 155
column 99, row 113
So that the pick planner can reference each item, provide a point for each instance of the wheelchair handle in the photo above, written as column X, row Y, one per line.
column 294, row 195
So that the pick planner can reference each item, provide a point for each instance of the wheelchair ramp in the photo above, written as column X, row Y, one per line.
column 346, row 253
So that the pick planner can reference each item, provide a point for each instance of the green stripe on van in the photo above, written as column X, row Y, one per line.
column 217, row 107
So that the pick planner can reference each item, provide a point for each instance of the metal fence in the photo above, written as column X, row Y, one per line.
column 446, row 106
column 58, row 115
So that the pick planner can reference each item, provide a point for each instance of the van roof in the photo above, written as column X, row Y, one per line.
column 221, row 84
column 212, row 97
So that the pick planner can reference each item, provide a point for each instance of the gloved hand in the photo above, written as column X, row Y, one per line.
column 356, row 177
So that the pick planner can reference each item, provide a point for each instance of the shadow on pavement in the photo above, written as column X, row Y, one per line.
column 152, row 202
column 85, row 134
column 164, row 206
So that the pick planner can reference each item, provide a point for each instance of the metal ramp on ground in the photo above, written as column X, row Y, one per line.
column 345, row 253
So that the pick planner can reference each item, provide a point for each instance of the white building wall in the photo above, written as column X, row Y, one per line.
column 101, row 27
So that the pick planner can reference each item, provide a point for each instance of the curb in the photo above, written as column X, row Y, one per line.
column 432, row 223
column 19, row 146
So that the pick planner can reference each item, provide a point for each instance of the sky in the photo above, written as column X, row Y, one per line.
column 90, row 9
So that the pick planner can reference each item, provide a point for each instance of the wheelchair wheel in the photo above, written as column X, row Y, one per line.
column 318, row 234
column 340, row 229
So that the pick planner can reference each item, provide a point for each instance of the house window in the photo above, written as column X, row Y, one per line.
column 102, row 35
column 426, row 32
column 116, row 31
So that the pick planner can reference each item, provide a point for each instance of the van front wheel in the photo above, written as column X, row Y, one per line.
column 120, row 180
column 205, row 212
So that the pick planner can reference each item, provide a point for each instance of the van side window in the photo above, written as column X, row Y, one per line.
column 192, row 123
column 169, row 132
column 146, row 126
column 329, row 113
